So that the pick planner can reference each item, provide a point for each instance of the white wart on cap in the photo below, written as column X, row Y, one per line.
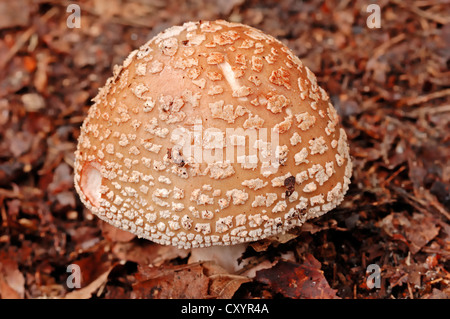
column 129, row 168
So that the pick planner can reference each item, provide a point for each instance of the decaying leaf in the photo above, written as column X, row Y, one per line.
column 417, row 229
column 12, row 281
column 194, row 281
column 292, row 280
column 87, row 291
column 261, row 245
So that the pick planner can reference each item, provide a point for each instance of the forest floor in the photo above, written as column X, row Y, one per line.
column 390, row 85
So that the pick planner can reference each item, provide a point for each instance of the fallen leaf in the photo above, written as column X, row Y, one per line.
column 15, row 13
column 298, row 281
column 195, row 281
column 86, row 292
column 6, row 292
column 12, row 281
column 416, row 230
column 171, row 282
column 93, row 265
column 421, row 231
column 263, row 244
column 223, row 285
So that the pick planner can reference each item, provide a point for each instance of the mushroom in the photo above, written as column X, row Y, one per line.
column 212, row 133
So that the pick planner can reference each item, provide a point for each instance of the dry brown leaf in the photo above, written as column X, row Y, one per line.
column 15, row 13
column 194, row 281
column 12, row 281
column 416, row 230
column 171, row 282
column 292, row 280
column 224, row 286
column 421, row 231
column 263, row 244
column 93, row 265
column 86, row 292
column 6, row 292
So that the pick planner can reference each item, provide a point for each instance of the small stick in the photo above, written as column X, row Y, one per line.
column 422, row 13
column 426, row 98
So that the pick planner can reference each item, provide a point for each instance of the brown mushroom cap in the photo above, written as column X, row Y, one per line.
column 219, row 76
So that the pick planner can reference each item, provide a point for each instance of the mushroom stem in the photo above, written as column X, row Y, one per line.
column 225, row 256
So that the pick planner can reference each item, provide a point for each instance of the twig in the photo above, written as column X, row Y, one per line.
column 430, row 110
column 388, row 180
column 427, row 3
column 23, row 38
column 422, row 13
column 379, row 51
column 425, row 98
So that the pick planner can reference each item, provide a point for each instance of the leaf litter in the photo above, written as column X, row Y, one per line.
column 389, row 85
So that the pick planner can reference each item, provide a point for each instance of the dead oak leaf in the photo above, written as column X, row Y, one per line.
column 298, row 281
